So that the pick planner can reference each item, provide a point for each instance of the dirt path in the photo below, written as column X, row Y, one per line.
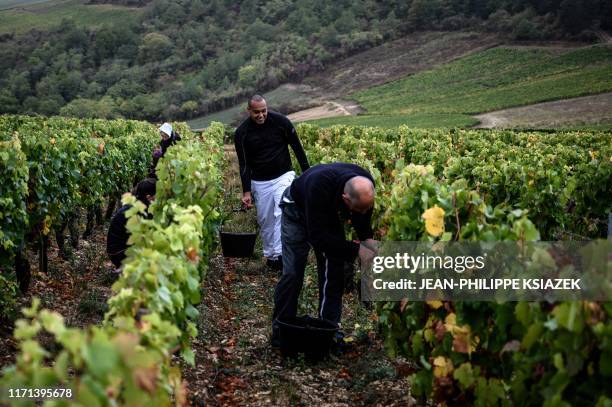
column 603, row 36
column 595, row 109
column 235, row 364
column 329, row 109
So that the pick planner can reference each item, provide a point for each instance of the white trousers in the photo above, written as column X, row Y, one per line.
column 267, row 195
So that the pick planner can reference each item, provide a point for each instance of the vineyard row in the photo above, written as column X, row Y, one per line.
column 128, row 360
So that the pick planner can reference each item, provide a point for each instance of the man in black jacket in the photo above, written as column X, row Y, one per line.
column 117, row 237
column 315, row 208
column 262, row 144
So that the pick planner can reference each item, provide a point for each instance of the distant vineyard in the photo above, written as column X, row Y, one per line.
column 498, row 78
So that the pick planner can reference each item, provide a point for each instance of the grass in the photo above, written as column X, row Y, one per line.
column 494, row 79
column 224, row 116
column 6, row 4
column 417, row 120
column 591, row 127
column 44, row 15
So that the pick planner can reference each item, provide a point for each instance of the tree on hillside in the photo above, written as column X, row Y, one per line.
column 251, row 74
column 390, row 25
column 249, row 10
column 424, row 13
column 109, row 39
column 347, row 22
column 49, row 105
column 154, row 47
column 82, row 108
column 606, row 15
column 9, row 102
column 175, row 14
column 72, row 36
column 303, row 21
column 573, row 15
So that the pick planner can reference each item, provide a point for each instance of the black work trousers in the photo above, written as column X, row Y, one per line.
column 295, row 254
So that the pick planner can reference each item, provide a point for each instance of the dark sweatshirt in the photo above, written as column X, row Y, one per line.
column 318, row 194
column 117, row 237
column 262, row 149
column 170, row 141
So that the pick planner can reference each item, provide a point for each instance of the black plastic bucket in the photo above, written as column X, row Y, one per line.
column 311, row 336
column 238, row 244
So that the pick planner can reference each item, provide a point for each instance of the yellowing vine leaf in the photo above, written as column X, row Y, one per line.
column 46, row 225
column 192, row 255
column 434, row 220
column 146, row 378
column 435, row 304
column 463, row 340
column 442, row 366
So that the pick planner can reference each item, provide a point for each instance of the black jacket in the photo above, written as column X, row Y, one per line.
column 318, row 194
column 164, row 144
column 262, row 149
column 117, row 237
column 169, row 142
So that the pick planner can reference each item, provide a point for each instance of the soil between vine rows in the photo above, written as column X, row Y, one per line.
column 235, row 364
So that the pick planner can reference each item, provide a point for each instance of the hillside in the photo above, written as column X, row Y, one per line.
column 19, row 17
column 160, row 60
column 389, row 61
column 396, row 59
column 444, row 80
column 485, row 81
column 593, row 111
column 7, row 4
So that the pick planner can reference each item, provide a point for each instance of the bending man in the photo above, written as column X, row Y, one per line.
column 315, row 208
column 117, row 236
column 262, row 143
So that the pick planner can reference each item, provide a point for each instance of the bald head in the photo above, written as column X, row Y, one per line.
column 359, row 194
column 258, row 109
column 255, row 99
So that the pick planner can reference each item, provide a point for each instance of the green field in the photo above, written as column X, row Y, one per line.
column 490, row 80
column 44, row 15
column 224, row 116
column 6, row 4
column 417, row 120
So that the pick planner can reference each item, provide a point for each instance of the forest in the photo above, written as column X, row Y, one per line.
column 182, row 59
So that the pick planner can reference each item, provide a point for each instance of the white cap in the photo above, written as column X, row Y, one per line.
column 166, row 128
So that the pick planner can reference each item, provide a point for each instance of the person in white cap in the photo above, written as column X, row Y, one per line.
column 169, row 137
column 262, row 144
